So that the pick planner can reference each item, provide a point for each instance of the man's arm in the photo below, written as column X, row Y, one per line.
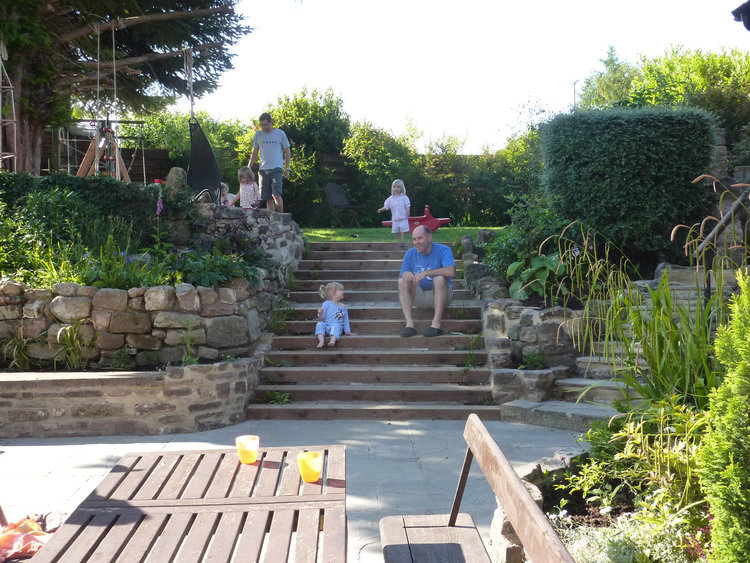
column 445, row 271
column 253, row 157
column 287, row 161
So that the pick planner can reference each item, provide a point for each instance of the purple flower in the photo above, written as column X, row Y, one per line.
column 159, row 208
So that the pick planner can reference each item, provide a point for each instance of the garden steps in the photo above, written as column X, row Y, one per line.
column 412, row 356
column 390, row 284
column 338, row 275
column 390, row 327
column 408, row 392
column 597, row 391
column 361, row 295
column 374, row 374
column 564, row 415
column 458, row 310
column 378, row 341
column 372, row 410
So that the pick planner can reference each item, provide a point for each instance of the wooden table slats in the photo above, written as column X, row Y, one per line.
column 206, row 506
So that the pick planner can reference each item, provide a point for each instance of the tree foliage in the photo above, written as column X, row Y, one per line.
column 316, row 125
column 715, row 82
column 379, row 158
column 171, row 131
column 609, row 86
column 60, row 55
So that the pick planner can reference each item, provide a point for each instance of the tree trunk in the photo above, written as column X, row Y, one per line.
column 29, row 149
column 30, row 124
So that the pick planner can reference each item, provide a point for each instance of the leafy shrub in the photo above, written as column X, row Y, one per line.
column 212, row 269
column 541, row 276
column 532, row 223
column 724, row 456
column 628, row 539
column 627, row 173
column 651, row 455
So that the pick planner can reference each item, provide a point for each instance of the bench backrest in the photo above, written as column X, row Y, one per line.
column 336, row 195
column 533, row 529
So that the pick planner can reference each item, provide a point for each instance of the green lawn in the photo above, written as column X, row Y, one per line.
column 448, row 235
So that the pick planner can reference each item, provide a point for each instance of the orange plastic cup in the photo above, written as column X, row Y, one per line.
column 247, row 447
column 310, row 466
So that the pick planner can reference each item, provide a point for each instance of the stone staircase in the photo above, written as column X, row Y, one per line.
column 587, row 391
column 374, row 374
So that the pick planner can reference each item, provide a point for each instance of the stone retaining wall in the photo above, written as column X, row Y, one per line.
column 513, row 331
column 178, row 399
column 146, row 327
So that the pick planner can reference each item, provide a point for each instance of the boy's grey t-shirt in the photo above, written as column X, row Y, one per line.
column 271, row 147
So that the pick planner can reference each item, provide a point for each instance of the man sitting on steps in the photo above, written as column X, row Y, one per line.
column 426, row 280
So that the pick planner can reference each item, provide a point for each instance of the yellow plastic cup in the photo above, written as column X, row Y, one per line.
column 247, row 447
column 310, row 466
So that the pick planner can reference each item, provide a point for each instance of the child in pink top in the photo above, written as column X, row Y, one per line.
column 249, row 192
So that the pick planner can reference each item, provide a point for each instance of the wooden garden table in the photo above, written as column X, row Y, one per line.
column 196, row 506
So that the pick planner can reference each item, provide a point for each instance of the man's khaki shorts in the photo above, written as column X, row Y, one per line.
column 426, row 299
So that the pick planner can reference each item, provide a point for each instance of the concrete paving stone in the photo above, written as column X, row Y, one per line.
column 397, row 467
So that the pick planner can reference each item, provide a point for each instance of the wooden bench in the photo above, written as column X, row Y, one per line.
column 454, row 537
column 340, row 205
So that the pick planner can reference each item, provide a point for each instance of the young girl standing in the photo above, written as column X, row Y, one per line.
column 335, row 317
column 249, row 193
column 400, row 207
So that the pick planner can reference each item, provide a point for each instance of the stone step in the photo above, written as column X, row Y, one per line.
column 334, row 410
column 400, row 357
column 366, row 296
column 599, row 391
column 599, row 367
column 599, row 348
column 555, row 414
column 385, row 342
column 325, row 265
column 324, row 276
column 374, row 374
column 385, row 326
column 356, row 245
column 355, row 254
column 393, row 392
column 458, row 310
column 363, row 284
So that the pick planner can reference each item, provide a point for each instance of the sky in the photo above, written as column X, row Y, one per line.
column 477, row 70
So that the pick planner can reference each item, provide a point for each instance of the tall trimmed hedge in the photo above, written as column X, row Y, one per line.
column 627, row 173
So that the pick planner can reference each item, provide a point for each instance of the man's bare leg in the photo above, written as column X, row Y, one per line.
column 270, row 205
column 441, row 291
column 279, row 203
column 406, row 292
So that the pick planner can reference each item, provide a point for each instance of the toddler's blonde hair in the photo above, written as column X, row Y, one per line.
column 398, row 182
column 326, row 291
column 247, row 172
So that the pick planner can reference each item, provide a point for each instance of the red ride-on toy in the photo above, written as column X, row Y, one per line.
column 432, row 223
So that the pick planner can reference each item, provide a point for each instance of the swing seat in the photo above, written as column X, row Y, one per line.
column 203, row 172
column 432, row 223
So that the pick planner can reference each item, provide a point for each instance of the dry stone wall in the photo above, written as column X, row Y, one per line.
column 146, row 327
column 513, row 332
column 177, row 399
